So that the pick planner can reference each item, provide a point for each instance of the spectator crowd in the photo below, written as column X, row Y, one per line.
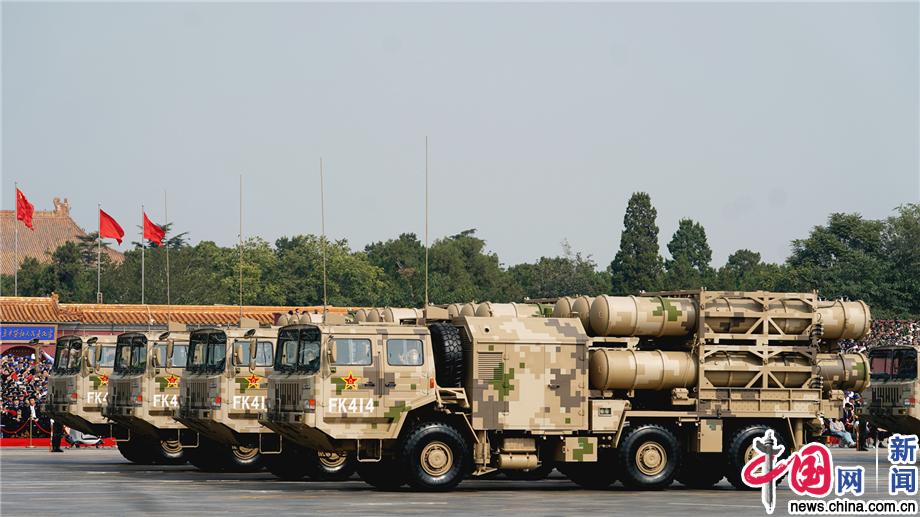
column 25, row 386
column 886, row 332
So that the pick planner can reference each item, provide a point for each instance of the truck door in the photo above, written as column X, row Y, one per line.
column 405, row 377
column 353, row 380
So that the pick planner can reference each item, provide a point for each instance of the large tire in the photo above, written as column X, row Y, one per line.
column 244, row 459
column 740, row 451
column 701, row 470
column 435, row 457
column 168, row 452
column 291, row 464
column 208, row 456
column 136, row 451
column 448, row 354
column 384, row 474
column 648, row 457
column 323, row 466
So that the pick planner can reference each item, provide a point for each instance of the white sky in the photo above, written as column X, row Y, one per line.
column 757, row 120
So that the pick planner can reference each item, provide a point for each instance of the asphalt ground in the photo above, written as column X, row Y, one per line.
column 35, row 482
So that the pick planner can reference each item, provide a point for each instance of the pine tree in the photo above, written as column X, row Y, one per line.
column 689, row 266
column 637, row 265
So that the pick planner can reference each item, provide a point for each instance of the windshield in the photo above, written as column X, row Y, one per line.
column 298, row 349
column 207, row 352
column 180, row 351
column 67, row 355
column 131, row 354
column 108, row 356
column 242, row 349
column 900, row 364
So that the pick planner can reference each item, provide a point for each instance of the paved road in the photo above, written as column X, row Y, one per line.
column 99, row 482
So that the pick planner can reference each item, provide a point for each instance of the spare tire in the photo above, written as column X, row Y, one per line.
column 448, row 354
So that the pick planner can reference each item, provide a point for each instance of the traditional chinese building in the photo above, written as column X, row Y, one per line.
column 23, row 319
column 52, row 229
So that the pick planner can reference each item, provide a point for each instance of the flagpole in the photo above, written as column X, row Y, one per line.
column 166, row 218
column 143, row 253
column 322, row 204
column 16, row 239
column 99, row 257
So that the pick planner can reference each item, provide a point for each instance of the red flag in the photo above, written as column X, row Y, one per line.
column 24, row 209
column 152, row 232
column 109, row 228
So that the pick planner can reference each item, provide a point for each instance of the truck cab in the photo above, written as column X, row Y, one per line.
column 335, row 386
column 78, row 382
column 222, row 393
column 891, row 400
column 144, row 393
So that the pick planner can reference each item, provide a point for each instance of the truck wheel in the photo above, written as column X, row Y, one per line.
column 291, row 464
column 448, row 354
column 701, row 470
column 168, row 452
column 435, row 457
column 741, row 450
column 244, row 459
column 330, row 466
column 648, row 457
column 384, row 474
column 136, row 451
column 208, row 456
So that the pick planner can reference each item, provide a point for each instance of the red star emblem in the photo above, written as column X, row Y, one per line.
column 253, row 381
column 172, row 381
column 351, row 382
column 103, row 379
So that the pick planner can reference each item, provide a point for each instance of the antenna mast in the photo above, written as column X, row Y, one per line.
column 426, row 222
column 322, row 205
column 241, row 248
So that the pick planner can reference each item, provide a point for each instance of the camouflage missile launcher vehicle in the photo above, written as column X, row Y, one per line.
column 222, row 393
column 667, row 386
column 143, row 395
column 891, row 401
column 78, row 382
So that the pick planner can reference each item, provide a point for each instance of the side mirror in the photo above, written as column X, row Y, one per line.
column 253, row 352
column 331, row 351
column 97, row 350
column 169, row 351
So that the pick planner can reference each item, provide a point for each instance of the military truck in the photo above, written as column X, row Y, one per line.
column 666, row 385
column 221, row 395
column 78, row 382
column 144, row 393
column 891, row 401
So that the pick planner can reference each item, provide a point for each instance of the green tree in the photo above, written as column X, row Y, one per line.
column 637, row 265
column 689, row 266
column 71, row 279
column 569, row 274
column 745, row 271
column 35, row 279
column 901, row 249
column 845, row 258
column 402, row 261
column 461, row 270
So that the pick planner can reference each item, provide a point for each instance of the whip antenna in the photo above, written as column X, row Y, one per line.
column 322, row 205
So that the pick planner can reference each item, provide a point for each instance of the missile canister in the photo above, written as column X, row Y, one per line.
column 657, row 316
column 563, row 307
column 453, row 310
column 397, row 314
column 517, row 310
column 642, row 316
column 844, row 371
column 361, row 315
column 468, row 309
column 625, row 369
column 374, row 315
column 582, row 308
column 310, row 317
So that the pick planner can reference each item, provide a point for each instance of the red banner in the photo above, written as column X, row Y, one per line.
column 109, row 228
column 152, row 232
column 24, row 209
